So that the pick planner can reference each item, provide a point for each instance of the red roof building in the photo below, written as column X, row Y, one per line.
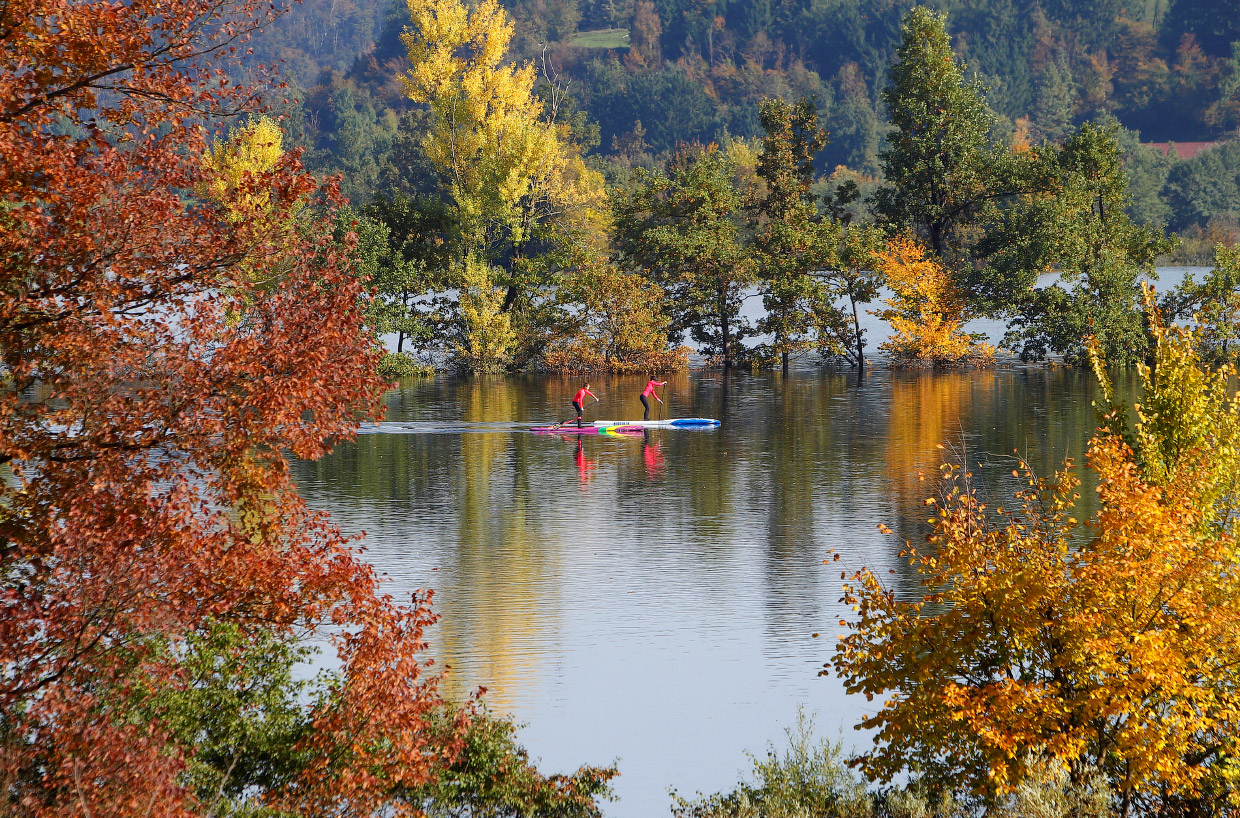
column 1183, row 150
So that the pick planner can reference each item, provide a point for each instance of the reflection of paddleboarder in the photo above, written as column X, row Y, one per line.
column 584, row 466
column 579, row 401
column 653, row 456
column 647, row 392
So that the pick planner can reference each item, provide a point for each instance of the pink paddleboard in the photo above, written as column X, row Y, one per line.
column 572, row 429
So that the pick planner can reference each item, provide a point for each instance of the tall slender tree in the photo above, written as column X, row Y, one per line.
column 940, row 166
column 514, row 172
column 791, row 238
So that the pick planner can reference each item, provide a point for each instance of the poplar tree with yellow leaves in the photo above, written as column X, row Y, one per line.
column 243, row 173
column 515, row 175
column 1108, row 647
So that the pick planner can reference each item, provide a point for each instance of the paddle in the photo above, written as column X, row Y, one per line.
column 573, row 416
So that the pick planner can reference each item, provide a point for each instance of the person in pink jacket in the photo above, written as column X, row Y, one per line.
column 648, row 392
column 579, row 401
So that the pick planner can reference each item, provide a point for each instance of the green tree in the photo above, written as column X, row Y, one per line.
column 1206, row 186
column 616, row 322
column 1055, row 99
column 856, row 131
column 681, row 228
column 1214, row 307
column 792, row 240
column 1215, row 25
column 851, row 282
column 422, row 237
column 1147, row 169
column 494, row 778
column 809, row 777
column 238, row 714
column 940, row 166
column 395, row 281
column 1074, row 223
column 360, row 139
column 1224, row 112
column 242, row 717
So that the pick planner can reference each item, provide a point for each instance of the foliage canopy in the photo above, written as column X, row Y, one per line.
column 1109, row 645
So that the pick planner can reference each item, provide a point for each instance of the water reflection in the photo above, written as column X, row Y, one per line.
column 654, row 598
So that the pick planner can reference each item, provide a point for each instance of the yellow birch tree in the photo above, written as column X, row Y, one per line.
column 240, row 173
column 237, row 165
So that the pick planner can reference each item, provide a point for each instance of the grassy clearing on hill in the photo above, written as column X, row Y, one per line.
column 602, row 38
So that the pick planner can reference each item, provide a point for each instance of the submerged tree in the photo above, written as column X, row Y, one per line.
column 1108, row 645
column 1073, row 223
column 793, row 241
column 395, row 282
column 852, row 281
column 681, row 228
column 1214, row 306
column 926, row 311
column 514, row 171
column 618, row 324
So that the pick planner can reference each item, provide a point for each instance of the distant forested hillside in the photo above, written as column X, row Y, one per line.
column 692, row 68
column 648, row 74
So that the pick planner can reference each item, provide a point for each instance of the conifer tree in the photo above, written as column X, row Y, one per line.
column 1054, row 100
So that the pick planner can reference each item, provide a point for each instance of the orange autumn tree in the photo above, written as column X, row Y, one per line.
column 926, row 312
column 1107, row 646
column 137, row 417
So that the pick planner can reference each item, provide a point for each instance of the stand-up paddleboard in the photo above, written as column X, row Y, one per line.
column 672, row 423
column 595, row 429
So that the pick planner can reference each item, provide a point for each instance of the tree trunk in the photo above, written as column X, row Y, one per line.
column 724, row 329
column 938, row 240
column 860, row 339
column 510, row 298
column 404, row 307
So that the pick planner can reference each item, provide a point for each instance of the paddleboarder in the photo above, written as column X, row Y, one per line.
column 647, row 392
column 580, row 400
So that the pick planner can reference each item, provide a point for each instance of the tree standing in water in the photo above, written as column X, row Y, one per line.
column 681, row 228
column 793, row 241
column 942, row 172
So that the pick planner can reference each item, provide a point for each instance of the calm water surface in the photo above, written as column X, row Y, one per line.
column 655, row 600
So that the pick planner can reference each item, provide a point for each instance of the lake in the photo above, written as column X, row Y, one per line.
column 663, row 600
